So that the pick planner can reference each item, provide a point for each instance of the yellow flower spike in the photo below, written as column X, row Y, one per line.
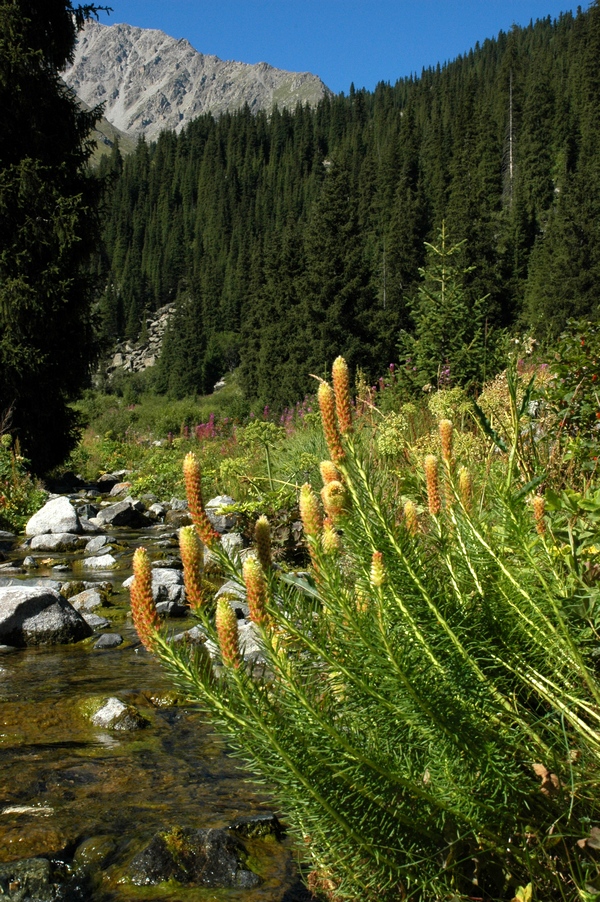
column 143, row 609
column 377, row 569
column 341, row 387
column 310, row 513
column 410, row 518
column 539, row 509
column 446, row 434
column 329, row 472
column 262, row 537
column 430, row 465
column 192, row 556
column 257, row 591
column 465, row 488
column 227, row 631
column 331, row 431
column 335, row 499
column 331, row 541
column 193, row 489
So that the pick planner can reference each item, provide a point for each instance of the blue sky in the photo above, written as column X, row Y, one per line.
column 342, row 41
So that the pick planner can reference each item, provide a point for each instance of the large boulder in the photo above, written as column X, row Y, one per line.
column 39, row 616
column 55, row 516
column 123, row 513
column 167, row 585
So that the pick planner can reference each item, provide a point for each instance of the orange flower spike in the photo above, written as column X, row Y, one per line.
column 257, row 591
column 377, row 569
column 192, row 556
column 227, row 631
column 335, row 499
column 193, row 489
column 329, row 472
column 309, row 512
column 333, row 438
column 446, row 430
column 465, row 488
column 410, row 518
column 539, row 509
column 262, row 537
column 341, row 388
column 143, row 609
column 433, row 487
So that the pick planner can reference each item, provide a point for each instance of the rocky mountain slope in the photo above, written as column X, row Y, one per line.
column 149, row 81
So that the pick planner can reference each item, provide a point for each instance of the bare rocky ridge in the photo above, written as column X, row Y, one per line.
column 149, row 81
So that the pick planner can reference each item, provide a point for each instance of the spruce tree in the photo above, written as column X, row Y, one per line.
column 48, row 228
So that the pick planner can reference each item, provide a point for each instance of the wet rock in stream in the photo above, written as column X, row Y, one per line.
column 210, row 858
column 35, row 880
column 39, row 616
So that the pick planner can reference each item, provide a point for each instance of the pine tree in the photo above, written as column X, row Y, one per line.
column 48, row 228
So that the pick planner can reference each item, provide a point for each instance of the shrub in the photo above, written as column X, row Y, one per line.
column 428, row 713
column 20, row 495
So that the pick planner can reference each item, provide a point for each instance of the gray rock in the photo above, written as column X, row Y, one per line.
column 178, row 518
column 34, row 880
column 101, row 562
column 114, row 715
column 221, row 522
column 109, row 640
column 87, row 510
column 171, row 609
column 193, row 636
column 158, row 510
column 89, row 528
column 41, row 582
column 55, row 516
column 94, row 545
column 120, row 514
column 236, row 597
column 178, row 504
column 88, row 600
column 30, row 562
column 59, row 541
column 265, row 824
column 167, row 585
column 119, row 488
column 39, row 616
column 96, row 622
column 251, row 647
column 214, row 858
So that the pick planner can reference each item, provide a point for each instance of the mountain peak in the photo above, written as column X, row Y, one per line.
column 149, row 81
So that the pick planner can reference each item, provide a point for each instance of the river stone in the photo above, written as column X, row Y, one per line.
column 88, row 600
column 210, row 858
column 221, row 522
column 30, row 880
column 95, row 621
column 119, row 488
column 39, row 616
column 35, row 583
column 59, row 541
column 55, row 516
column 101, row 562
column 171, row 609
column 7, row 540
column 115, row 715
column 167, row 585
column 178, row 504
column 122, row 513
column 236, row 596
column 109, row 640
column 94, row 545
column 251, row 647
column 264, row 824
column 178, row 518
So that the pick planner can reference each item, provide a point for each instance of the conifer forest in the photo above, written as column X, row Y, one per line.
column 288, row 238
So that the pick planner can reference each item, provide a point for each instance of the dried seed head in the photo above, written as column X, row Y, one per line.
column 539, row 509
column 257, row 591
column 227, row 631
column 329, row 420
column 309, row 512
column 446, row 430
column 341, row 387
column 335, row 499
column 465, row 488
column 192, row 556
column 143, row 609
column 377, row 569
column 193, row 489
column 329, row 472
column 433, row 487
column 410, row 518
column 331, row 541
column 262, row 537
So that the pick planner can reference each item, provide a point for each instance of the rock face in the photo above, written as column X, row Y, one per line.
column 39, row 616
column 149, row 81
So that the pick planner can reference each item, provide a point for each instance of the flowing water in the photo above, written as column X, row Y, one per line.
column 72, row 791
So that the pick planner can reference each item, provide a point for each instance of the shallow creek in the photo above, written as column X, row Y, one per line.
column 93, row 797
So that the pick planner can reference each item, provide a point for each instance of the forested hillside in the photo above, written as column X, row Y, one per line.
column 288, row 239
